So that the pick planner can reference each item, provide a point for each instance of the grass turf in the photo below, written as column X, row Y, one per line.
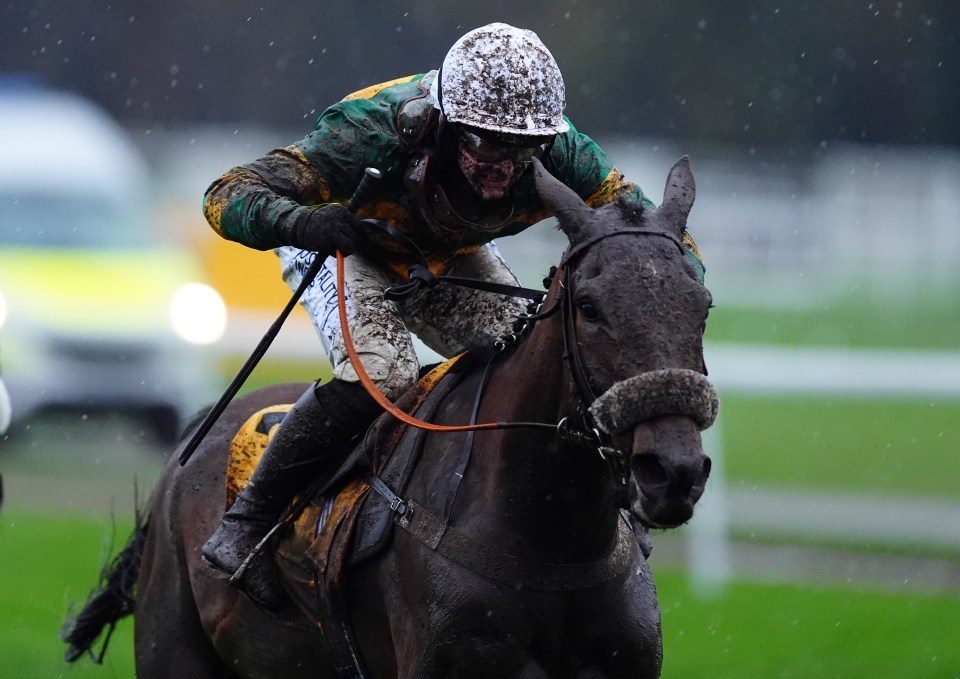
column 854, row 321
column 792, row 631
column 751, row 630
column 881, row 446
column 49, row 563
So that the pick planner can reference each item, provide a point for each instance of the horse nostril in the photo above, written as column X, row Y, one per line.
column 649, row 472
column 700, row 482
column 705, row 470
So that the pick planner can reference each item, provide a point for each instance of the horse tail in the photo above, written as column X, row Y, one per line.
column 111, row 600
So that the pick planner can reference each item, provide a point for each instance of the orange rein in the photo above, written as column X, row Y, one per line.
column 368, row 384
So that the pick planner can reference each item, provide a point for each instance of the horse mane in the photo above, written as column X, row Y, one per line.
column 111, row 600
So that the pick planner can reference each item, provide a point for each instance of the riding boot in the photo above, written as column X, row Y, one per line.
column 312, row 436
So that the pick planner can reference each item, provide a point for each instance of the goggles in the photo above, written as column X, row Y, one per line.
column 491, row 147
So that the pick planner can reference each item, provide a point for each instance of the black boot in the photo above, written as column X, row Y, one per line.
column 311, row 436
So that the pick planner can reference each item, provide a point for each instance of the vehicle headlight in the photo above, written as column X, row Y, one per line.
column 198, row 314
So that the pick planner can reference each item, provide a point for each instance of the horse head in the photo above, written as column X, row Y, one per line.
column 635, row 316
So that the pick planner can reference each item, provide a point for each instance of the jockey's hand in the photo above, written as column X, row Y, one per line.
column 328, row 228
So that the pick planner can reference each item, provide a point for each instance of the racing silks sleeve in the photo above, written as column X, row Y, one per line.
column 258, row 204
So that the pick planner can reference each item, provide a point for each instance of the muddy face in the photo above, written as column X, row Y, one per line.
column 489, row 180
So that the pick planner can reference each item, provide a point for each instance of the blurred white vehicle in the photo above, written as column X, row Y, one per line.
column 95, row 313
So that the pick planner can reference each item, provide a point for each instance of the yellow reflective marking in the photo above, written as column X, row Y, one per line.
column 94, row 291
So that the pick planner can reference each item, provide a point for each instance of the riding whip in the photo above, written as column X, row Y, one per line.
column 360, row 196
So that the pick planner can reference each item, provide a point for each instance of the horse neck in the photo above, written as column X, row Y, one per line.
column 528, row 485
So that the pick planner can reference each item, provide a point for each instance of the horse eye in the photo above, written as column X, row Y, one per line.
column 589, row 312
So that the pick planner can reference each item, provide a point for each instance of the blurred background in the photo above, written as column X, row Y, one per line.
column 826, row 149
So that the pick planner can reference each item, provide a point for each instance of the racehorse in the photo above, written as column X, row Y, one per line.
column 512, row 551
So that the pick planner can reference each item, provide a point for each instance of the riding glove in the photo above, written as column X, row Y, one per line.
column 326, row 229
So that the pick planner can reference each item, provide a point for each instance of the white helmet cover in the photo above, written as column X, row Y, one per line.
column 502, row 79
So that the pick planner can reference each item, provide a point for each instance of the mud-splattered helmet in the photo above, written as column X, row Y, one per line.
column 502, row 79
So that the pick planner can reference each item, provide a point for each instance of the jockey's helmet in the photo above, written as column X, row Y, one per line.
column 504, row 80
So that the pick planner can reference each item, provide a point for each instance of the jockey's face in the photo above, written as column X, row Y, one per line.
column 492, row 165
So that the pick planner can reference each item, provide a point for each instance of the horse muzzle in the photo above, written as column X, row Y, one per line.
column 668, row 471
column 666, row 409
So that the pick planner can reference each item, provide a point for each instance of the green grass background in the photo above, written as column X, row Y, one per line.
column 47, row 565
column 849, row 321
column 879, row 446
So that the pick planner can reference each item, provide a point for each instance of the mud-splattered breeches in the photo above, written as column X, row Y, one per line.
column 448, row 319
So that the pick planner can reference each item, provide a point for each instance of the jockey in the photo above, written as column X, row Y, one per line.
column 454, row 147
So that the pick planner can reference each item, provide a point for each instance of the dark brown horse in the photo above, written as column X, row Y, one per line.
column 526, row 567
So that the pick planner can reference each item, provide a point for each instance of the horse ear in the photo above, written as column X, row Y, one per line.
column 678, row 195
column 571, row 212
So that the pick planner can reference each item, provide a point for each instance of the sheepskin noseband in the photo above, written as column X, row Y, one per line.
column 675, row 391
